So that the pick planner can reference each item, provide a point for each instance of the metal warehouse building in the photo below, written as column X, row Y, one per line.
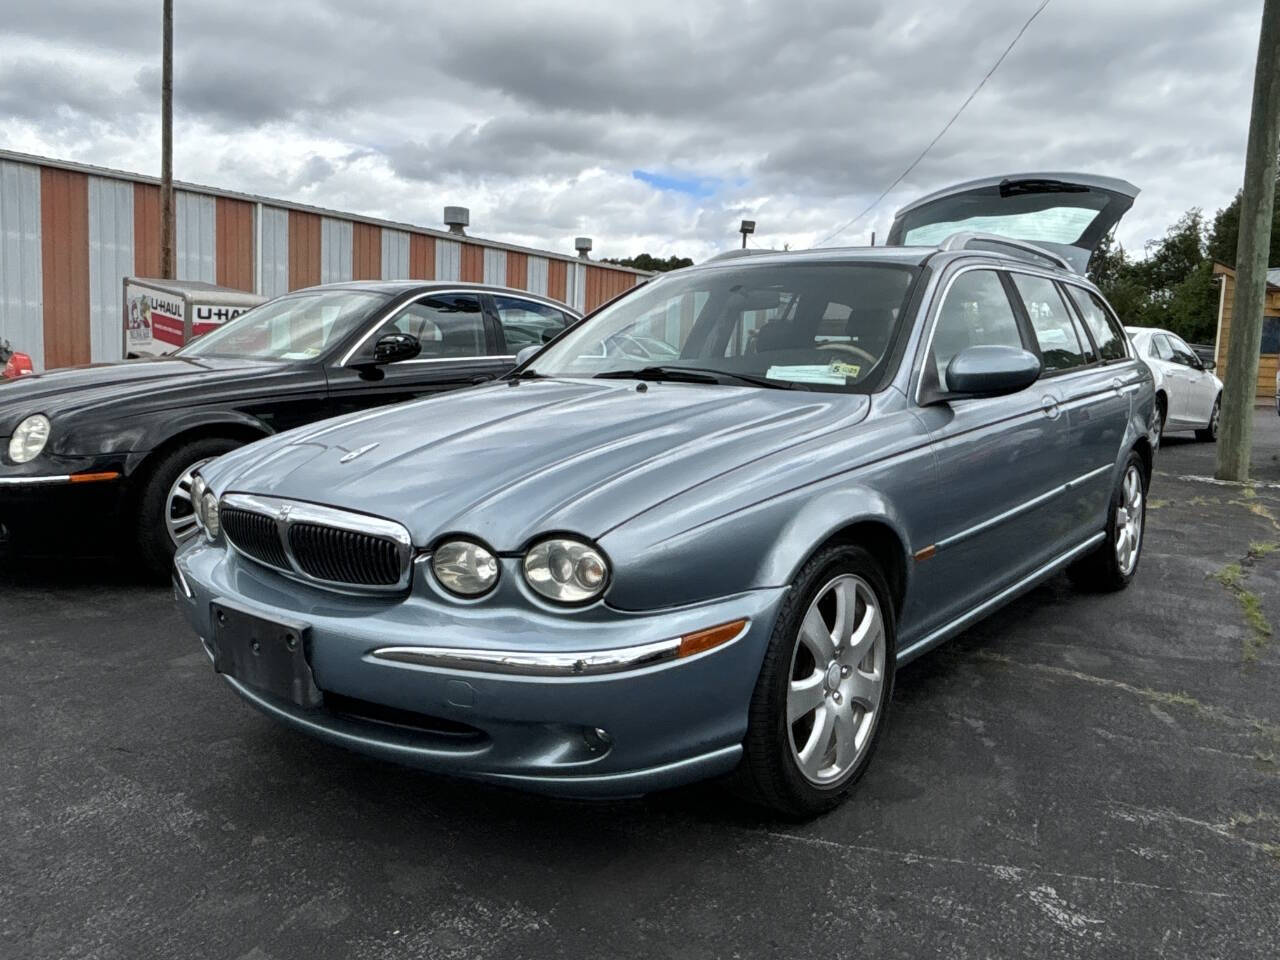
column 69, row 233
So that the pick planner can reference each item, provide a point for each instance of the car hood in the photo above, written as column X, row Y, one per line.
column 74, row 389
column 506, row 463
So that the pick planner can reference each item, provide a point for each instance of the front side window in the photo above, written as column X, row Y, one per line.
column 447, row 326
column 527, row 323
column 298, row 326
column 976, row 313
column 826, row 326
column 1160, row 348
column 1106, row 330
column 1055, row 330
column 1182, row 353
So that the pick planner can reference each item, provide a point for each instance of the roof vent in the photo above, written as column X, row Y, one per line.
column 457, row 219
column 583, row 246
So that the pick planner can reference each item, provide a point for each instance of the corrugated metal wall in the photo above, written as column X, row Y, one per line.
column 335, row 250
column 448, row 259
column 536, row 281
column 69, row 234
column 196, row 226
column 304, row 249
column 233, row 259
column 110, row 261
column 21, row 270
column 495, row 266
column 273, row 264
column 64, row 255
column 366, row 251
column 395, row 255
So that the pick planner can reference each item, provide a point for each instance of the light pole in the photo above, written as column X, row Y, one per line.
column 166, row 147
column 748, row 227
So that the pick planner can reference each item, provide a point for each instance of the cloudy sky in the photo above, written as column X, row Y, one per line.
column 653, row 126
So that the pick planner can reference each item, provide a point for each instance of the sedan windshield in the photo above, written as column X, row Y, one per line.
column 299, row 326
column 826, row 326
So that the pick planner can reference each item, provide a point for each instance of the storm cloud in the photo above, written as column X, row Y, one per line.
column 652, row 127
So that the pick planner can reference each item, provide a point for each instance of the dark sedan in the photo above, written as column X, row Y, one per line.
column 87, row 446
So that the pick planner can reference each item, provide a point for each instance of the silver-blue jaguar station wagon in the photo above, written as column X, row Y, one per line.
column 694, row 534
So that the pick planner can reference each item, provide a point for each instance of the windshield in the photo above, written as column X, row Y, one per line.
column 822, row 326
column 299, row 326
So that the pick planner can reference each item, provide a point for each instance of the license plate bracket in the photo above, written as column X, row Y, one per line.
column 269, row 655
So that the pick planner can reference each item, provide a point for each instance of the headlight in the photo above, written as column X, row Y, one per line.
column 566, row 570
column 29, row 438
column 198, row 487
column 210, row 510
column 464, row 567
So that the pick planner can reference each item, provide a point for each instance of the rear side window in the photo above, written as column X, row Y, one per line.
column 527, row 323
column 976, row 312
column 1055, row 331
column 1104, row 327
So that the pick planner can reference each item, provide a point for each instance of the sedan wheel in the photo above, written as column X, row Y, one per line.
column 1209, row 433
column 180, row 514
column 1129, row 518
column 837, row 676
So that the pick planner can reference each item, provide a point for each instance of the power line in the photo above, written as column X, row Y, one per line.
column 954, row 117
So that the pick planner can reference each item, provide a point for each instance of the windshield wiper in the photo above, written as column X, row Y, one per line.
column 527, row 374
column 695, row 375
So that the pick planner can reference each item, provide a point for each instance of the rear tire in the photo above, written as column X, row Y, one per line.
column 822, row 697
column 1209, row 433
column 1161, row 414
column 156, row 545
column 1113, row 564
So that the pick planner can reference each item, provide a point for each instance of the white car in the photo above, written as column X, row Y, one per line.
column 1188, row 396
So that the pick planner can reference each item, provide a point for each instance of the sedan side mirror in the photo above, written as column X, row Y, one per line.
column 394, row 347
column 991, row 371
column 526, row 353
column 1208, row 365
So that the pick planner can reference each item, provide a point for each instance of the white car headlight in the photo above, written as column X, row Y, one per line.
column 567, row 571
column 29, row 438
column 464, row 568
column 210, row 509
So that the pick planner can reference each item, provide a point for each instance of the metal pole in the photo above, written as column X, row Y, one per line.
column 166, row 148
column 1241, row 375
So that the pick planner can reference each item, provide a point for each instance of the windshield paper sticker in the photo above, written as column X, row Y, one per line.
column 833, row 373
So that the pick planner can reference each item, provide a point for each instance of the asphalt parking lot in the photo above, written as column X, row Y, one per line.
column 1077, row 776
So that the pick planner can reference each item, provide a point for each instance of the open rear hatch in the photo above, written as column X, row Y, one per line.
column 1066, row 213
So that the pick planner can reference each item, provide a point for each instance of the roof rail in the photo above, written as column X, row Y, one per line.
column 736, row 252
column 968, row 240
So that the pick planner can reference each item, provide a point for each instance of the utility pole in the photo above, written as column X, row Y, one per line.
column 166, row 148
column 1236, row 431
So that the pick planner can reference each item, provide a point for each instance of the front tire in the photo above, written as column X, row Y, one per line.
column 1209, row 433
column 1112, row 566
column 164, row 520
column 822, row 697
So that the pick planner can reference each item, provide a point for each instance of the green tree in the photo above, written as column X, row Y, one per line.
column 1225, row 234
column 644, row 261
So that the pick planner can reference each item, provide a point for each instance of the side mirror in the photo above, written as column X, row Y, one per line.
column 394, row 347
column 991, row 371
column 526, row 353
column 1208, row 365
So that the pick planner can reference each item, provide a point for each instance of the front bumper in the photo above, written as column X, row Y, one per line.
column 55, row 505
column 604, row 734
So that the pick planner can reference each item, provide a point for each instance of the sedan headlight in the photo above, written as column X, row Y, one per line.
column 209, row 509
column 567, row 571
column 464, row 568
column 29, row 438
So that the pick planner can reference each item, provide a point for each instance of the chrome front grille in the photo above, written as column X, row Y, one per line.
column 323, row 545
column 344, row 556
column 254, row 535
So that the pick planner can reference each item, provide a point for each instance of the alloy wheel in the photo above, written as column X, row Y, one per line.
column 1129, row 518
column 836, row 680
column 179, row 512
column 1214, row 418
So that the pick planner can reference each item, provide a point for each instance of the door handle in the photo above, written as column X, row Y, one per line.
column 1050, row 407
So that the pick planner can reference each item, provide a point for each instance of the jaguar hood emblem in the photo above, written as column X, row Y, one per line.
column 359, row 452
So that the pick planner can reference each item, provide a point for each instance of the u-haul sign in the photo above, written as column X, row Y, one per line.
column 159, row 321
